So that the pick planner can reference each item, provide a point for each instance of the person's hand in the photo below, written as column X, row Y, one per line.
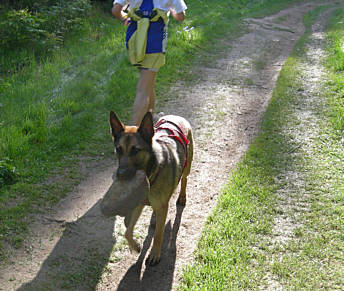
column 117, row 11
column 178, row 16
column 126, row 21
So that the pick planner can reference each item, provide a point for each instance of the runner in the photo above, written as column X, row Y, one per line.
column 146, row 43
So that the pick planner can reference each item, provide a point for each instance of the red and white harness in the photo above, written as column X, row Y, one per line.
column 178, row 134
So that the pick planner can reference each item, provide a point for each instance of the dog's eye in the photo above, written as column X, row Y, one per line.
column 119, row 150
column 134, row 151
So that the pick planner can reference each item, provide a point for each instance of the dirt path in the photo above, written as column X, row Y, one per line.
column 295, row 201
column 74, row 247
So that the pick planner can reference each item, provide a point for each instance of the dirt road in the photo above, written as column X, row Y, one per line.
column 74, row 248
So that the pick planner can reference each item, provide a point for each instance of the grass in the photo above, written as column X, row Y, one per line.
column 335, row 63
column 53, row 112
column 241, row 246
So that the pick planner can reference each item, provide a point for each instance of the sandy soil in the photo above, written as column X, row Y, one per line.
column 74, row 248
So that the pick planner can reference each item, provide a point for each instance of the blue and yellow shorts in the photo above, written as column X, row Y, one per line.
column 155, row 47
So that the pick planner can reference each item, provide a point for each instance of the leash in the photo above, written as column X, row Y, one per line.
column 178, row 134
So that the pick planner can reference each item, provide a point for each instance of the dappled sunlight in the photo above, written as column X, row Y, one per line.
column 224, row 96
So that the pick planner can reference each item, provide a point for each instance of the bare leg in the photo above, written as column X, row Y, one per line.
column 145, row 96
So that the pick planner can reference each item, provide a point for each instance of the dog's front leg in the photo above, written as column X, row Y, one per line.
column 154, row 256
column 134, row 216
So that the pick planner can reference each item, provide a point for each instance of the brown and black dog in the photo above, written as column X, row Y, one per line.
column 164, row 152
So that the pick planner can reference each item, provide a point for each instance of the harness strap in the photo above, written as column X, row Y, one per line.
column 181, row 137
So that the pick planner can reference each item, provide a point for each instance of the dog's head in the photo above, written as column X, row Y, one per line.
column 133, row 145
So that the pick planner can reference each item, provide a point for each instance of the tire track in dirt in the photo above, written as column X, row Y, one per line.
column 74, row 247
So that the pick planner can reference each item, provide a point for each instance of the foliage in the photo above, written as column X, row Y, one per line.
column 66, row 16
column 8, row 174
column 35, row 5
column 21, row 29
column 37, row 32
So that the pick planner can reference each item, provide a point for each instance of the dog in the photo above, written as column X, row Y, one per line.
column 164, row 151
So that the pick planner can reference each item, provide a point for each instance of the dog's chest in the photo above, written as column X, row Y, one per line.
column 170, row 159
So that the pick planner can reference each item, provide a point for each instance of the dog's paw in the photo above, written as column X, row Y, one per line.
column 133, row 245
column 153, row 258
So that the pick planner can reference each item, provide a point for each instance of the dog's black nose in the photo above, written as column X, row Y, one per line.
column 120, row 172
column 125, row 173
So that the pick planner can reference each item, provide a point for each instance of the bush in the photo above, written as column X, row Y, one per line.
column 66, row 16
column 21, row 29
column 37, row 30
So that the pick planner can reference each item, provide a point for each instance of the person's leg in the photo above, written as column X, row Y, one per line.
column 145, row 96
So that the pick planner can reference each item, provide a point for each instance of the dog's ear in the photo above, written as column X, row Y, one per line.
column 146, row 128
column 116, row 125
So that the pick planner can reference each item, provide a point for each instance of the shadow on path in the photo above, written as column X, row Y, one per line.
column 159, row 277
column 78, row 259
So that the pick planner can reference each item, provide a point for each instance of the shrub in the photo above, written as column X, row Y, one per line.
column 66, row 16
column 37, row 30
column 21, row 29
column 22, row 39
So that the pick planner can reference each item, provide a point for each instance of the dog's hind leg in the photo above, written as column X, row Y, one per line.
column 182, row 194
column 134, row 216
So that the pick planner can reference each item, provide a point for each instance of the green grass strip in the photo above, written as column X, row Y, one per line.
column 335, row 63
column 237, row 249
column 54, row 113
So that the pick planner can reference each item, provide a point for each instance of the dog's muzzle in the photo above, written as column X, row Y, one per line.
column 125, row 173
